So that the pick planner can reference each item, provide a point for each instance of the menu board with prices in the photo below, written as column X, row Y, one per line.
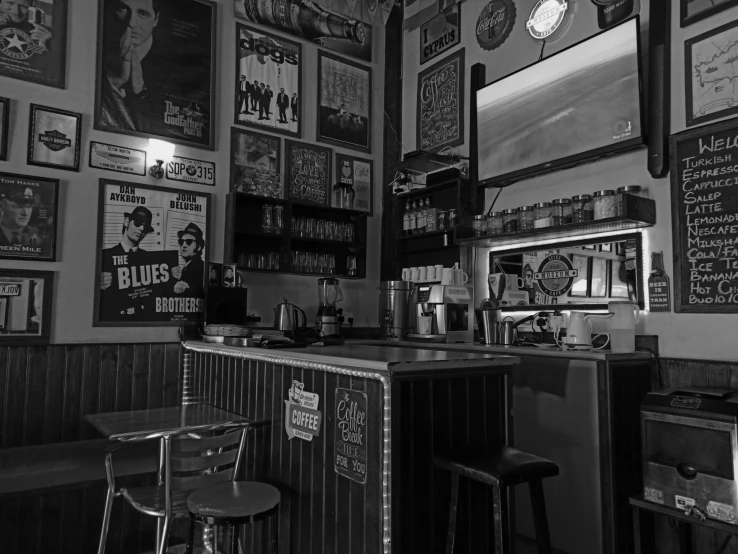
column 704, row 178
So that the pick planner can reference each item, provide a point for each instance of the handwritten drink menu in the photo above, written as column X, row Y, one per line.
column 704, row 177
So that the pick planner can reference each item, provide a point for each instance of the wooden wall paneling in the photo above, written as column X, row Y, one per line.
column 140, row 377
column 124, row 377
column 108, row 378
column 172, row 361
column 33, row 414
column 90, row 396
column 375, row 459
column 155, row 376
column 13, row 434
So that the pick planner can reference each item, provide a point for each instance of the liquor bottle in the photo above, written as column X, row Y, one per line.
column 421, row 217
column 412, row 220
column 406, row 220
column 305, row 19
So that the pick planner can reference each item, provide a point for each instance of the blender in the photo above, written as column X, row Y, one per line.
column 328, row 294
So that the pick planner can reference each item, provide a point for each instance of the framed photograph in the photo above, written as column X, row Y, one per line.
column 308, row 172
column 157, row 78
column 241, row 278
column 606, row 247
column 28, row 214
column 214, row 274
column 151, row 247
column 4, row 127
column 117, row 158
column 33, row 41
column 599, row 283
column 580, row 286
column 25, row 306
column 619, row 280
column 440, row 115
column 353, row 186
column 54, row 137
column 709, row 74
column 697, row 10
column 256, row 162
column 344, row 103
column 268, row 82
column 229, row 276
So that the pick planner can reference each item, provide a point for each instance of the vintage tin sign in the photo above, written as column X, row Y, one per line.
column 191, row 171
column 556, row 275
column 495, row 23
column 440, row 34
column 302, row 418
column 546, row 18
column 350, row 435
column 117, row 158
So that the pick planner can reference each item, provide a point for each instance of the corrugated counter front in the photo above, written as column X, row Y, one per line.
column 350, row 435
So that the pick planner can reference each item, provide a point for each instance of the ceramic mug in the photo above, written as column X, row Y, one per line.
column 414, row 275
column 438, row 272
column 447, row 276
column 424, row 324
column 432, row 273
column 405, row 273
column 460, row 277
column 423, row 274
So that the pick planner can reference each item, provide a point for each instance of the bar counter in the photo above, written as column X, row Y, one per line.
column 350, row 434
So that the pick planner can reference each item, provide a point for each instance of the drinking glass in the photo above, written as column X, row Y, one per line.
column 243, row 260
column 300, row 227
column 349, row 232
column 320, row 229
column 330, row 230
column 311, row 262
column 267, row 218
column 331, row 263
column 322, row 263
column 310, row 228
column 293, row 260
column 277, row 221
column 273, row 261
column 300, row 261
column 341, row 231
column 251, row 261
column 351, row 265
column 261, row 262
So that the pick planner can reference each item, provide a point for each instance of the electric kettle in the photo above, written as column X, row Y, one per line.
column 286, row 319
column 579, row 332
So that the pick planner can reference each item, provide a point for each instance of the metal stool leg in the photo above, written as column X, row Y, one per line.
column 275, row 533
column 108, row 503
column 503, row 544
column 191, row 537
column 161, row 548
column 453, row 505
column 540, row 521
column 233, row 530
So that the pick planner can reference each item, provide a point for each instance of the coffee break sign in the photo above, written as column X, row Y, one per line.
column 704, row 179
column 308, row 172
column 350, row 435
column 440, row 34
column 440, row 116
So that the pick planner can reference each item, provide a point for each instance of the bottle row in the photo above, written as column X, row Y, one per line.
column 421, row 217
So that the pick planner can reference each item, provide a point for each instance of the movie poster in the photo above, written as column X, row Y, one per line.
column 152, row 249
column 28, row 217
column 33, row 41
column 268, row 84
column 156, row 70
column 349, row 31
column 25, row 306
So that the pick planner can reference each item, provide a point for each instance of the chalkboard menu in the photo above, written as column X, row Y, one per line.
column 308, row 172
column 441, row 104
column 704, row 178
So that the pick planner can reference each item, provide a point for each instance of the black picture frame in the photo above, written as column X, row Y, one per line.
column 218, row 269
column 234, row 271
column 331, row 127
column 339, row 178
column 40, row 136
column 599, row 270
column 583, row 265
column 692, row 53
column 10, row 277
column 171, row 61
column 250, row 176
column 589, row 247
column 620, row 248
column 685, row 18
column 292, row 174
column 43, row 231
column 145, row 159
column 4, row 127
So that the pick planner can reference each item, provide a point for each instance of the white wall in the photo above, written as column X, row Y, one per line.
column 72, row 306
column 680, row 335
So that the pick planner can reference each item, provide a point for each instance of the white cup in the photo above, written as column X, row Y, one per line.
column 414, row 275
column 405, row 273
column 438, row 272
column 422, row 274
column 460, row 277
column 447, row 276
column 431, row 273
column 424, row 324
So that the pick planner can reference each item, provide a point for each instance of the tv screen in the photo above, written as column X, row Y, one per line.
column 580, row 103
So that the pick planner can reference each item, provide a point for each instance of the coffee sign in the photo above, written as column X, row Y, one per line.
column 351, row 435
column 440, row 34
column 308, row 172
column 495, row 23
column 556, row 275
column 302, row 418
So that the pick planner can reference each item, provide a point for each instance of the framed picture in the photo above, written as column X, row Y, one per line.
column 158, row 79
column 151, row 247
column 344, row 103
column 353, row 186
column 619, row 280
column 440, row 115
column 229, row 276
column 268, row 82
column 600, row 281
column 33, row 41
column 709, row 73
column 214, row 274
column 4, row 127
column 25, row 306
column 28, row 214
column 580, row 286
column 256, row 162
column 308, row 172
column 441, row 33
column 54, row 137
column 697, row 10
column 606, row 247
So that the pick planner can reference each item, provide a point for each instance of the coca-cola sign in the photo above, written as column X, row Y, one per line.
column 441, row 104
column 350, row 435
column 308, row 172
column 495, row 23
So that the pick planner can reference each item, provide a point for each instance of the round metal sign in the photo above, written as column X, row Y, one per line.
column 495, row 23
column 555, row 275
column 546, row 18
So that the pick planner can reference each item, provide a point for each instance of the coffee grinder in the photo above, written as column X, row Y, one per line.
column 328, row 294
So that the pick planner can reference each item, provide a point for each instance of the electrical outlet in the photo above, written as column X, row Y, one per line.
column 556, row 322
column 542, row 323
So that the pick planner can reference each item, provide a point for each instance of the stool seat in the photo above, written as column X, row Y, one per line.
column 503, row 467
column 237, row 499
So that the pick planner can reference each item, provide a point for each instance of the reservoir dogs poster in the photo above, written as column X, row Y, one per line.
column 152, row 243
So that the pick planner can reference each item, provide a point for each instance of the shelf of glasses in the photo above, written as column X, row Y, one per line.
column 302, row 273
column 324, row 241
column 261, row 234
column 263, row 199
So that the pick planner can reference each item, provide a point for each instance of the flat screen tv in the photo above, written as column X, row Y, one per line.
column 579, row 104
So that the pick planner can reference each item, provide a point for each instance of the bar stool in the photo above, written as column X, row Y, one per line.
column 234, row 504
column 501, row 468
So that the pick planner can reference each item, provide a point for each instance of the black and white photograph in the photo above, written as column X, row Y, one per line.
column 268, row 82
column 25, row 306
column 28, row 217
column 229, row 276
column 33, row 41
column 214, row 274
column 54, row 137
column 156, row 69
column 711, row 63
column 4, row 127
column 152, row 251
column 344, row 103
column 255, row 163
column 697, row 10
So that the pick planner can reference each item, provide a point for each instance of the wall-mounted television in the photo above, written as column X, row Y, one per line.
column 578, row 104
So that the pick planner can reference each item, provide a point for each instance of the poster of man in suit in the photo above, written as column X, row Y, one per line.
column 152, row 248
column 272, row 65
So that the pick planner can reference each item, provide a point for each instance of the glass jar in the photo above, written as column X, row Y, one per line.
column 525, row 218
column 582, row 209
column 561, row 211
column 634, row 190
column 510, row 220
column 267, row 218
column 542, row 215
column 277, row 221
column 479, row 224
column 452, row 218
column 605, row 204
column 494, row 223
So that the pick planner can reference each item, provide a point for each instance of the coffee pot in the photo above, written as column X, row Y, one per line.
column 286, row 319
column 579, row 331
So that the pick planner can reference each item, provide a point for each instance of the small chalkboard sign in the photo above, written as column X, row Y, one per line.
column 308, row 172
column 704, row 179
column 441, row 104
column 350, row 435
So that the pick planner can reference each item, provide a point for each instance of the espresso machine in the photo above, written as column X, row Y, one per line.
column 328, row 294
column 442, row 313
